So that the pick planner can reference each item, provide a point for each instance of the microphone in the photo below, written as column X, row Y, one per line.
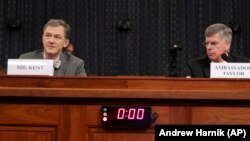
column 154, row 117
column 57, row 63
column 224, row 57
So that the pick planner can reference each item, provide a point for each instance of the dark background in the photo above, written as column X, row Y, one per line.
column 125, row 37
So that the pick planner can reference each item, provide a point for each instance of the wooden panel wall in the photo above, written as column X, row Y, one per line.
column 53, row 109
column 31, row 122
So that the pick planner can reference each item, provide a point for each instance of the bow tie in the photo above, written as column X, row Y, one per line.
column 57, row 64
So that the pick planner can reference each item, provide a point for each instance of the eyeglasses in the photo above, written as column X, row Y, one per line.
column 212, row 44
column 55, row 37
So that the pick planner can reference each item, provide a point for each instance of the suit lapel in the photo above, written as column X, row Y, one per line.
column 206, row 68
column 40, row 55
column 62, row 69
column 207, row 72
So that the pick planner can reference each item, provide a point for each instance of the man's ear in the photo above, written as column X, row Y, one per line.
column 66, row 43
column 228, row 45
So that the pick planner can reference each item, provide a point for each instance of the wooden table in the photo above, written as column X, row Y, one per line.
column 41, row 108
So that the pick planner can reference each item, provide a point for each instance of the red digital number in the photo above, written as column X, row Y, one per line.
column 140, row 114
column 121, row 113
column 131, row 113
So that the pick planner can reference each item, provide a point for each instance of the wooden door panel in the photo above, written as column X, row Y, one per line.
column 220, row 115
column 12, row 133
column 32, row 122
column 97, row 134
column 29, row 114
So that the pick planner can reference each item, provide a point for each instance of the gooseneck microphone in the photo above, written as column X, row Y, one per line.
column 224, row 57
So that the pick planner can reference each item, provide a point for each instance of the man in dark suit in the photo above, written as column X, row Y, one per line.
column 218, row 38
column 56, row 37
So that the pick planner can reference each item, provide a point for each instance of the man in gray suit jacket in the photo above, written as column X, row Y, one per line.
column 218, row 38
column 55, row 38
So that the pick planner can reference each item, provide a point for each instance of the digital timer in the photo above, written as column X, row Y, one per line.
column 126, row 116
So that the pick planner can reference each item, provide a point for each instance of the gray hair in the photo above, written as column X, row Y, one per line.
column 59, row 22
column 224, row 31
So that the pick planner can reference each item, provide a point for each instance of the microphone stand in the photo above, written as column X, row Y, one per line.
column 173, row 64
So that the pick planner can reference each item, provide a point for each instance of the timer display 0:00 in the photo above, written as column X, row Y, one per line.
column 119, row 116
column 132, row 113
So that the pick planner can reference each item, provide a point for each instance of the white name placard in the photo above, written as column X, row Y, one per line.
column 230, row 70
column 30, row 67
